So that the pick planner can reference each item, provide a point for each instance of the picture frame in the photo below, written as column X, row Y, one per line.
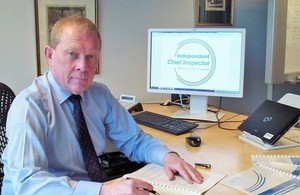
column 214, row 12
column 47, row 12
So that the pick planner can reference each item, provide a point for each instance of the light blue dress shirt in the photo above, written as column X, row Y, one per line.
column 43, row 155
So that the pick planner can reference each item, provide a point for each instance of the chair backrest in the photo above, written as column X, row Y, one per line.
column 6, row 98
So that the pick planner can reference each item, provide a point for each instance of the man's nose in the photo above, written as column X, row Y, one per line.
column 82, row 64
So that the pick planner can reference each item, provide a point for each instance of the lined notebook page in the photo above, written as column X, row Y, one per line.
column 155, row 175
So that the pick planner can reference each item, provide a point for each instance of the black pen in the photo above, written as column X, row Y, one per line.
column 150, row 191
column 207, row 166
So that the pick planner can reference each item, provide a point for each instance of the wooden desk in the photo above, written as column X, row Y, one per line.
column 220, row 148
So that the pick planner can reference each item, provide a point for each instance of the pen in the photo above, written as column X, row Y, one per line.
column 150, row 191
column 207, row 166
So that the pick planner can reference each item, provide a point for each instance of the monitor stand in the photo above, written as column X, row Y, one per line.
column 198, row 110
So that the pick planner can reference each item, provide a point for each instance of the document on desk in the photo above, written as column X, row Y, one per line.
column 268, row 175
column 287, row 159
column 155, row 175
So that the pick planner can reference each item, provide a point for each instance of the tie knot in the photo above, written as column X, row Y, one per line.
column 75, row 99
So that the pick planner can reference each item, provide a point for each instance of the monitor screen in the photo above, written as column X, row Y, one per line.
column 200, row 62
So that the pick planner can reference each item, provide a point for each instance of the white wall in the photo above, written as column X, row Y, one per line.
column 123, row 27
column 17, row 43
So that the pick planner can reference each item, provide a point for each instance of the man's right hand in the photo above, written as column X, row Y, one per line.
column 129, row 186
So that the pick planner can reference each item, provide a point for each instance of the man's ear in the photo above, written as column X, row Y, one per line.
column 48, row 53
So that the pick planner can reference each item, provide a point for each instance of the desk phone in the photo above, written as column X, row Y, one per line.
column 128, row 101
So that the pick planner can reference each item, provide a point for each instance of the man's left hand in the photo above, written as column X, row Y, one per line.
column 173, row 165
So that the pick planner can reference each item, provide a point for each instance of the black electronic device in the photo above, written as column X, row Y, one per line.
column 270, row 121
column 193, row 140
column 116, row 164
column 164, row 123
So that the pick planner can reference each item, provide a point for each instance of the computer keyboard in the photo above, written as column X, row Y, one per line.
column 163, row 123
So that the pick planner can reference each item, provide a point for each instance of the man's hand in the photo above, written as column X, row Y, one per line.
column 126, row 187
column 173, row 164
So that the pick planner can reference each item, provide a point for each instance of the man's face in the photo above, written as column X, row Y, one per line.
column 74, row 60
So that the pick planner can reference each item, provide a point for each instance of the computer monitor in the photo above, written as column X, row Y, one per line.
column 199, row 62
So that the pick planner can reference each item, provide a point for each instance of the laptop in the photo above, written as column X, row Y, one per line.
column 269, row 122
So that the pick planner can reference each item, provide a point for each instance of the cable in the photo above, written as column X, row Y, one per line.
column 227, row 121
column 181, row 102
column 218, row 122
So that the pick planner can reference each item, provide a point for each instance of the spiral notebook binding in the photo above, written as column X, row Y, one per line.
column 174, row 188
column 288, row 159
column 280, row 171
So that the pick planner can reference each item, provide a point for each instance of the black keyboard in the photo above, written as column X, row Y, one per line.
column 164, row 123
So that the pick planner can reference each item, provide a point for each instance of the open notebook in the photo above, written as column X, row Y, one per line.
column 155, row 175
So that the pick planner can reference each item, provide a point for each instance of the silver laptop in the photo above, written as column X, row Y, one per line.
column 270, row 121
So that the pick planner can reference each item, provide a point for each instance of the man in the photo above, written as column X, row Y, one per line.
column 44, row 153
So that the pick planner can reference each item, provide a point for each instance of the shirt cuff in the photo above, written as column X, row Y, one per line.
column 159, row 156
column 87, row 187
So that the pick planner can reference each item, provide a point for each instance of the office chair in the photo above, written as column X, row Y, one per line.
column 6, row 98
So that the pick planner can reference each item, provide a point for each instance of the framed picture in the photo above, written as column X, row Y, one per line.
column 47, row 12
column 214, row 12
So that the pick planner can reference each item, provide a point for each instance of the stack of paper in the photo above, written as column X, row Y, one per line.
column 270, row 174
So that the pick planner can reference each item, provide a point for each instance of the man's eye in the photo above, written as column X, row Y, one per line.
column 91, row 57
column 71, row 54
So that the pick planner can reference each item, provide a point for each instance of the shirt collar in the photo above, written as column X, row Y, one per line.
column 60, row 92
